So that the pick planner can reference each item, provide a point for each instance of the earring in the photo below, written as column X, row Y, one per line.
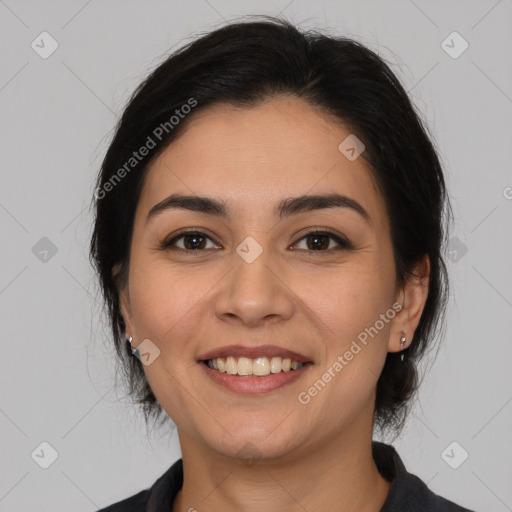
column 129, row 340
column 403, row 339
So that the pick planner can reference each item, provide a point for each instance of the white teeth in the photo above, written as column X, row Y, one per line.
column 231, row 366
column 276, row 364
column 261, row 366
column 244, row 366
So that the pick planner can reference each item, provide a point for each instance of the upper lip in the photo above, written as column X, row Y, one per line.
column 253, row 352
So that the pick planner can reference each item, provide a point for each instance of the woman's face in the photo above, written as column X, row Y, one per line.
column 256, row 279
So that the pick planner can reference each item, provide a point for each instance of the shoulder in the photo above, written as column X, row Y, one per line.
column 135, row 503
column 159, row 497
column 407, row 491
column 416, row 492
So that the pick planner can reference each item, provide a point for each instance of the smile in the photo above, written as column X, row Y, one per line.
column 259, row 366
column 250, row 383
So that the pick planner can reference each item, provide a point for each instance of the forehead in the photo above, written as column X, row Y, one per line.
column 253, row 157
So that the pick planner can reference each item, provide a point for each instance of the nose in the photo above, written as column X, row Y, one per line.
column 254, row 293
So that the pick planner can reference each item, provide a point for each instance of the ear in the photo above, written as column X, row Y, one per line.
column 125, row 305
column 412, row 297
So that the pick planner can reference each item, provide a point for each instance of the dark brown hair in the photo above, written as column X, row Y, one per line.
column 242, row 64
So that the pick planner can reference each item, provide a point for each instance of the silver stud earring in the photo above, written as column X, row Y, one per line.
column 403, row 339
column 129, row 340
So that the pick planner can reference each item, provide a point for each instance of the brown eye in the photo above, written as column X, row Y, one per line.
column 316, row 241
column 319, row 241
column 192, row 241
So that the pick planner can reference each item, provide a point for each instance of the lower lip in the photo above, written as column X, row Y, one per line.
column 254, row 385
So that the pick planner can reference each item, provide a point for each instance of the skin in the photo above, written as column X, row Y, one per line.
column 312, row 457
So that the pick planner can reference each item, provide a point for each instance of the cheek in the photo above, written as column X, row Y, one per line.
column 355, row 347
column 351, row 301
column 162, row 301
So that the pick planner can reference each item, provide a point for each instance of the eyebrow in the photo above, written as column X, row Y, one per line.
column 285, row 208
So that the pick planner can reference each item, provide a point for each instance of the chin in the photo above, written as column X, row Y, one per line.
column 250, row 445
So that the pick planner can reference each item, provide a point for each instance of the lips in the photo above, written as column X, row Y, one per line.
column 253, row 353
column 250, row 383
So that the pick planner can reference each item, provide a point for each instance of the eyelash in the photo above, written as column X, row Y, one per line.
column 343, row 243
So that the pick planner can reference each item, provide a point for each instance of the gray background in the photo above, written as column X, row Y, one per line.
column 57, row 116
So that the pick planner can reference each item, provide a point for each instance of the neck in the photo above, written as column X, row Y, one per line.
column 339, row 475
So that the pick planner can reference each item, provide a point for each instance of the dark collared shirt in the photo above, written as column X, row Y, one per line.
column 406, row 494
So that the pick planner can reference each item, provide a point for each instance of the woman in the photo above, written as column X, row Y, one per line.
column 269, row 222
